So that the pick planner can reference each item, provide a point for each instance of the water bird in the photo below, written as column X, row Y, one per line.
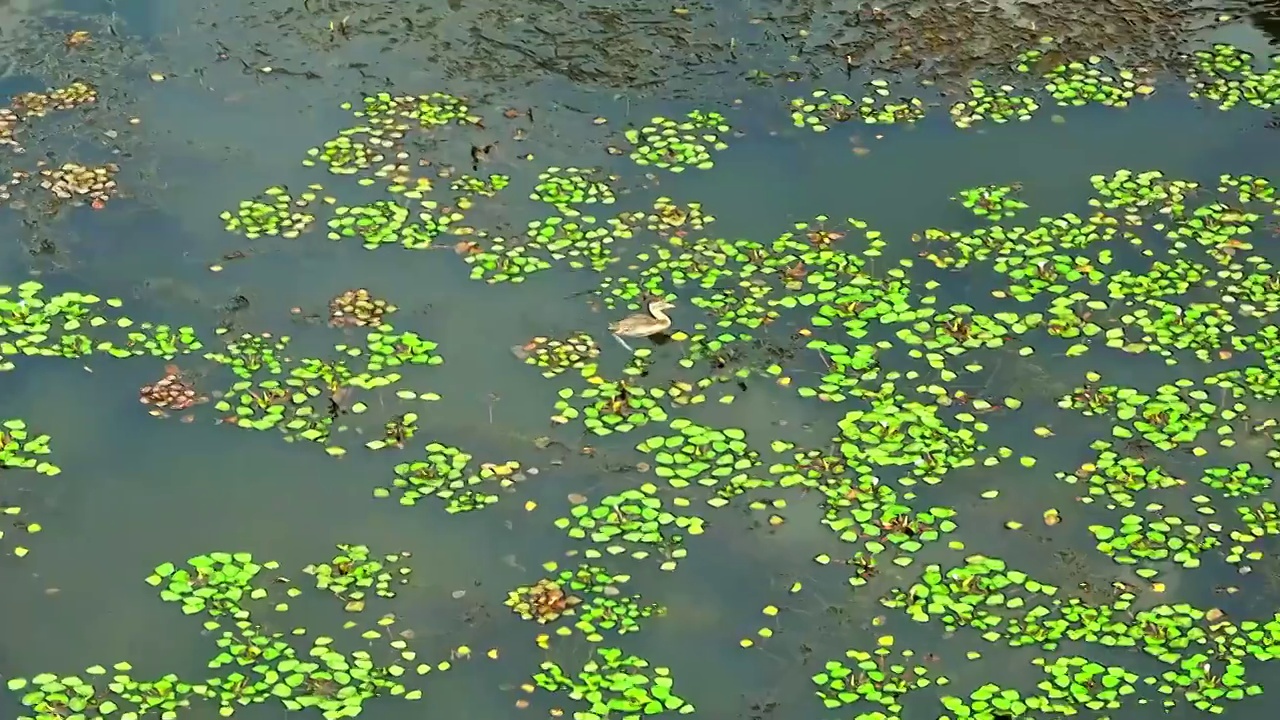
column 645, row 324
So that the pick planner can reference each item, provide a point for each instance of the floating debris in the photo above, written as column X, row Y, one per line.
column 171, row 393
column 9, row 121
column 33, row 104
column 358, row 308
column 81, row 182
column 545, row 601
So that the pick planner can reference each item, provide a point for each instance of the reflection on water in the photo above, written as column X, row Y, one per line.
column 783, row 577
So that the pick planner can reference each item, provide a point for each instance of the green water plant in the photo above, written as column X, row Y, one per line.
column 353, row 573
column 994, row 103
column 447, row 474
column 993, row 202
column 694, row 454
column 250, row 663
column 554, row 356
column 637, row 521
column 676, row 145
column 881, row 677
column 302, row 398
column 21, row 449
column 615, row 684
column 73, row 325
column 275, row 212
column 567, row 188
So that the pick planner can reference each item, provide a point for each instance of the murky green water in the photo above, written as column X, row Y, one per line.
column 796, row 527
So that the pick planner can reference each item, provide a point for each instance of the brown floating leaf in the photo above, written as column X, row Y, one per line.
column 76, row 38
column 466, row 247
column 577, row 499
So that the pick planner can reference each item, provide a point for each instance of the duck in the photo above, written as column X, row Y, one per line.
column 645, row 324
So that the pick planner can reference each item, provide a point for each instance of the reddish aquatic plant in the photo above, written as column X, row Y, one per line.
column 171, row 393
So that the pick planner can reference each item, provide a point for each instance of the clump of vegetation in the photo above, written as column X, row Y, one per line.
column 925, row 392
column 252, row 660
column 20, row 450
column 676, row 145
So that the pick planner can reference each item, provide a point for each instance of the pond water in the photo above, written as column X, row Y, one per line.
column 312, row 403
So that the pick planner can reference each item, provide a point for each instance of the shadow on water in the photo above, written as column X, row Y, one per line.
column 210, row 108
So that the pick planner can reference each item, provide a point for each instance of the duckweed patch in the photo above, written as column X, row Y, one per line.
column 254, row 657
column 20, row 449
column 566, row 188
column 677, row 145
column 638, row 522
column 448, row 475
column 1046, row 74
column 555, row 356
column 822, row 109
column 305, row 398
column 74, row 325
column 614, row 683
column 831, row 314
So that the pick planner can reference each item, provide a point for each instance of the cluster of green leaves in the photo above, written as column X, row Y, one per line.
column 250, row 663
column 1012, row 607
column 614, row 684
column 20, row 449
column 296, row 396
column 446, row 473
column 75, row 325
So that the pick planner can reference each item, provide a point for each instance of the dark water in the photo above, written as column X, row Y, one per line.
column 135, row 491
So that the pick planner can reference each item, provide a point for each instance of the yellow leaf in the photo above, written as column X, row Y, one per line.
column 529, row 505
